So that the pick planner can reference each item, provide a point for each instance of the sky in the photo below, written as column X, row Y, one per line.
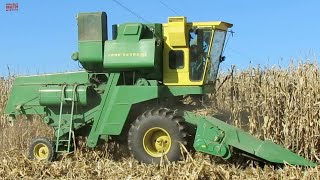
column 41, row 35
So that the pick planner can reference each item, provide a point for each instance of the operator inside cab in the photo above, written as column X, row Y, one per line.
column 198, row 53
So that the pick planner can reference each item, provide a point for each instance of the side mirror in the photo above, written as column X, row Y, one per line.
column 222, row 58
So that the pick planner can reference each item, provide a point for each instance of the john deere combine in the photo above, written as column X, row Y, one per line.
column 142, row 63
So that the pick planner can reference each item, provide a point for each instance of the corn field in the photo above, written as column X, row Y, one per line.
column 281, row 105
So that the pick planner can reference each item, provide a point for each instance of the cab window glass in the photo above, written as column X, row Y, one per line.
column 199, row 47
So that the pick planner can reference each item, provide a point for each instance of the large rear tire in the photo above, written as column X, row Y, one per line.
column 157, row 134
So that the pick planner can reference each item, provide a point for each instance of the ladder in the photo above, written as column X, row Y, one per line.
column 60, row 128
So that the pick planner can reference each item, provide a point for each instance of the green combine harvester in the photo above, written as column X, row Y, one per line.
column 143, row 63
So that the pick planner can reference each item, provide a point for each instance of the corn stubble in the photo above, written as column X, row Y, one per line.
column 281, row 105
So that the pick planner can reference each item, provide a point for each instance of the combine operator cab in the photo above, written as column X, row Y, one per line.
column 193, row 51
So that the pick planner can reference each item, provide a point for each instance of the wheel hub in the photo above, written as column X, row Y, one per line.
column 157, row 142
column 41, row 151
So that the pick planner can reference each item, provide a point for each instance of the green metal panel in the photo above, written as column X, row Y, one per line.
column 24, row 96
column 132, row 29
column 104, row 105
column 115, row 106
column 180, row 90
column 83, row 117
column 130, row 55
column 92, row 26
column 137, row 47
column 130, row 32
column 214, row 136
column 92, row 32
column 51, row 95
column 125, row 97
column 91, row 54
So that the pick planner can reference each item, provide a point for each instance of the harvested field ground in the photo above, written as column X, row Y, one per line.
column 281, row 105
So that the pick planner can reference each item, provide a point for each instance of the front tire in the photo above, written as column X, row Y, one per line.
column 157, row 133
column 41, row 149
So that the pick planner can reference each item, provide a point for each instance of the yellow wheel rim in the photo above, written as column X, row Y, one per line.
column 41, row 151
column 157, row 142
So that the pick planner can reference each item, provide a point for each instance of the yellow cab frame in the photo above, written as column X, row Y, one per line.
column 177, row 39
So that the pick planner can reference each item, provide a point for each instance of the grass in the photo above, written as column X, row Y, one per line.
column 277, row 104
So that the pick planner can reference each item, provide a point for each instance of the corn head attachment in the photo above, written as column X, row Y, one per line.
column 216, row 137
